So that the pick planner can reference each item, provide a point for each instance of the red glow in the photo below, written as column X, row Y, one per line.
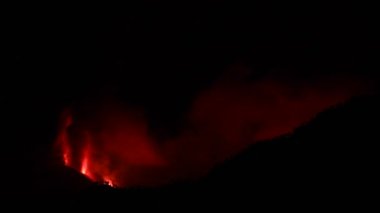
column 112, row 144
column 66, row 159
column 63, row 138
column 109, row 182
column 84, row 167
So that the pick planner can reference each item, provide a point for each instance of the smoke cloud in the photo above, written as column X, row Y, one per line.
column 110, row 142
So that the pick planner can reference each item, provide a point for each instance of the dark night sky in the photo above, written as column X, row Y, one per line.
column 160, row 55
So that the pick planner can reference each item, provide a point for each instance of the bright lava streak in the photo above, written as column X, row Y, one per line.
column 84, row 167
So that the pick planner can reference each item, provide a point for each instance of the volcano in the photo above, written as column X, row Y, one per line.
column 179, row 102
column 339, row 144
column 110, row 142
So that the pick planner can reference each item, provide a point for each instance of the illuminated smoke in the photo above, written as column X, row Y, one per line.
column 109, row 142
column 63, row 140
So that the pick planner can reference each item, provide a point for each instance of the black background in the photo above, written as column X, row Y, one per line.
column 162, row 54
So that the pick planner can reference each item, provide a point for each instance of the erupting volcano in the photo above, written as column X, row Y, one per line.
column 111, row 142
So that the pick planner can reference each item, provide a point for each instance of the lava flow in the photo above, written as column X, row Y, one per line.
column 84, row 166
column 69, row 157
column 111, row 149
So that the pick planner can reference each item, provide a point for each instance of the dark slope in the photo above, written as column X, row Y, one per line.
column 337, row 149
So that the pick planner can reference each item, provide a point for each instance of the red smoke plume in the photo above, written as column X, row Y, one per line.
column 109, row 142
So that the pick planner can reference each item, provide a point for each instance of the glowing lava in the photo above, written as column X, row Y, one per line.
column 84, row 167
column 108, row 182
